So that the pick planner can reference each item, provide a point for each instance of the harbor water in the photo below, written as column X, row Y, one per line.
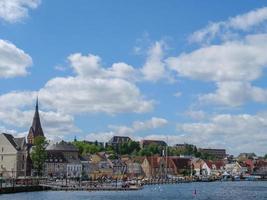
column 249, row 190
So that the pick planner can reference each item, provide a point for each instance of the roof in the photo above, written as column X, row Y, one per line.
column 182, row 163
column 17, row 143
column 36, row 128
column 153, row 161
column 62, row 146
column 218, row 163
column 157, row 142
column 53, row 157
column 20, row 142
column 119, row 139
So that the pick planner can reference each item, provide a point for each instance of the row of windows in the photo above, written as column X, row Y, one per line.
column 74, row 168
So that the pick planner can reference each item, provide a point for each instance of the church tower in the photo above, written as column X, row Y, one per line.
column 36, row 128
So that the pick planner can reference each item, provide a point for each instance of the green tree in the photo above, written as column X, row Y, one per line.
column 265, row 157
column 85, row 148
column 38, row 154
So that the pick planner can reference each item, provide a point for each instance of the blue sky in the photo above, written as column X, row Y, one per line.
column 182, row 71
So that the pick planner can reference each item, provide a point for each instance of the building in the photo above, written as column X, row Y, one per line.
column 13, row 156
column 36, row 128
column 234, row 169
column 201, row 168
column 261, row 168
column 183, row 165
column 134, row 168
column 63, row 160
column 154, row 167
column 116, row 141
column 217, row 153
column 146, row 143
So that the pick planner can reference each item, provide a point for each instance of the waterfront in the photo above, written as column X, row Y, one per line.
column 212, row 190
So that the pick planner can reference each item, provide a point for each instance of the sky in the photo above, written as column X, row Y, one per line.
column 182, row 71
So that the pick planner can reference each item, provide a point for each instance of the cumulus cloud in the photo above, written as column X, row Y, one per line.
column 90, row 66
column 92, row 89
column 13, row 61
column 155, row 68
column 15, row 10
column 238, row 133
column 235, row 93
column 16, row 110
column 230, row 61
column 232, row 65
column 130, row 131
column 245, row 22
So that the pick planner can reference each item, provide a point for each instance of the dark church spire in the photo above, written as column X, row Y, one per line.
column 36, row 128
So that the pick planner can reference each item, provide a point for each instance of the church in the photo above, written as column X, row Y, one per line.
column 36, row 128
column 15, row 152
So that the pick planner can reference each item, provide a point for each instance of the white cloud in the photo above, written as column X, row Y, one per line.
column 130, row 131
column 235, row 93
column 15, row 10
column 16, row 110
column 13, row 61
column 230, row 61
column 196, row 114
column 155, row 69
column 87, row 95
column 237, row 133
column 245, row 22
column 90, row 66
column 93, row 89
column 137, row 126
column 153, row 123
column 232, row 66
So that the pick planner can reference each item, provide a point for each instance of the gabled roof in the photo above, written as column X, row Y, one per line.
column 20, row 142
column 17, row 143
column 182, row 163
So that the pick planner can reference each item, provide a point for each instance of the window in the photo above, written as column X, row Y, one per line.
column 2, row 149
column 2, row 158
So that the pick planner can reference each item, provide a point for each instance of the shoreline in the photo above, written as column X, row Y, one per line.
column 39, row 188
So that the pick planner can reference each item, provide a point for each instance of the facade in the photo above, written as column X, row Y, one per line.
column 200, row 167
column 115, row 141
column 146, row 143
column 63, row 160
column 13, row 156
column 183, row 166
column 261, row 168
column 154, row 167
column 36, row 128
column 216, row 167
column 217, row 153
column 234, row 169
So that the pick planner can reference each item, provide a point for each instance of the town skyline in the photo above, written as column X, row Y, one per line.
column 178, row 76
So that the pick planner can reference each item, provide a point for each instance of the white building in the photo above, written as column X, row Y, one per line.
column 13, row 156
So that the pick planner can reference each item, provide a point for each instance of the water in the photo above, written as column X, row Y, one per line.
column 214, row 190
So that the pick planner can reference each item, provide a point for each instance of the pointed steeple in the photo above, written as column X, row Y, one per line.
column 36, row 128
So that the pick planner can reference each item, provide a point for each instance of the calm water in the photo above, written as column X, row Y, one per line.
column 214, row 190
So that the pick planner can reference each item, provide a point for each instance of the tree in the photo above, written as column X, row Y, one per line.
column 265, row 157
column 38, row 154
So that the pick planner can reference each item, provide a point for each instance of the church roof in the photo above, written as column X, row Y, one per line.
column 36, row 128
